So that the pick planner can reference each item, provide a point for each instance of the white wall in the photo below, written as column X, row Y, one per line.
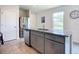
column 23, row 13
column 70, row 25
column 73, row 23
column 48, row 17
column 48, row 20
column 32, row 18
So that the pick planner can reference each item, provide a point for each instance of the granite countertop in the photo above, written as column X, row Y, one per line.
column 49, row 31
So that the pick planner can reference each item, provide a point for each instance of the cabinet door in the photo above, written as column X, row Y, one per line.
column 40, row 44
column 33, row 41
column 37, row 41
column 52, row 47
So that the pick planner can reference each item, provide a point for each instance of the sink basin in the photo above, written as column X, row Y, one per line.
column 42, row 29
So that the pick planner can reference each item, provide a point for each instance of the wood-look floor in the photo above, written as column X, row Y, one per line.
column 16, row 47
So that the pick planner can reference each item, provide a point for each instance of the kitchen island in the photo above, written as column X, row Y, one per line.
column 48, row 41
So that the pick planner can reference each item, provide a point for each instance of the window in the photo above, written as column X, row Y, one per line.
column 58, row 21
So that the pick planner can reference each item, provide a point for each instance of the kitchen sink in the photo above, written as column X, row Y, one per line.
column 42, row 29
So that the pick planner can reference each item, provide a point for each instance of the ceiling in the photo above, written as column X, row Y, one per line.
column 37, row 8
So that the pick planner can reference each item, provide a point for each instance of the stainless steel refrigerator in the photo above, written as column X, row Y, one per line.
column 26, row 31
column 23, row 24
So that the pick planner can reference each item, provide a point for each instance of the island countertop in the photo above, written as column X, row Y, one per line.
column 49, row 31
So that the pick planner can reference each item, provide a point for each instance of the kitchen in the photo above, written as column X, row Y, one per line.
column 50, row 29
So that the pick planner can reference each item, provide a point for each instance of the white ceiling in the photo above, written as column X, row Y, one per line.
column 37, row 8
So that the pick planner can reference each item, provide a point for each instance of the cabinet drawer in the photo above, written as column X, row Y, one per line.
column 55, row 37
column 37, row 33
column 33, row 36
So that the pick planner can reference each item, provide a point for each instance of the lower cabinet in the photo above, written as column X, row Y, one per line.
column 40, row 44
column 52, row 47
column 47, row 43
column 34, row 41
column 37, row 42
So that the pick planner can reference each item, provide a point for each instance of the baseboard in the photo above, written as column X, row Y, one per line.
column 10, row 40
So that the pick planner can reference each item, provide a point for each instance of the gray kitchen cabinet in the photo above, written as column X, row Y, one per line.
column 52, row 47
column 48, row 43
column 40, row 43
column 33, row 41
column 37, row 41
column 54, row 44
column 56, row 38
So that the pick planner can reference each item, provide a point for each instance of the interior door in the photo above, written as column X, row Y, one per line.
column 3, row 27
column 8, row 21
column 10, row 25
